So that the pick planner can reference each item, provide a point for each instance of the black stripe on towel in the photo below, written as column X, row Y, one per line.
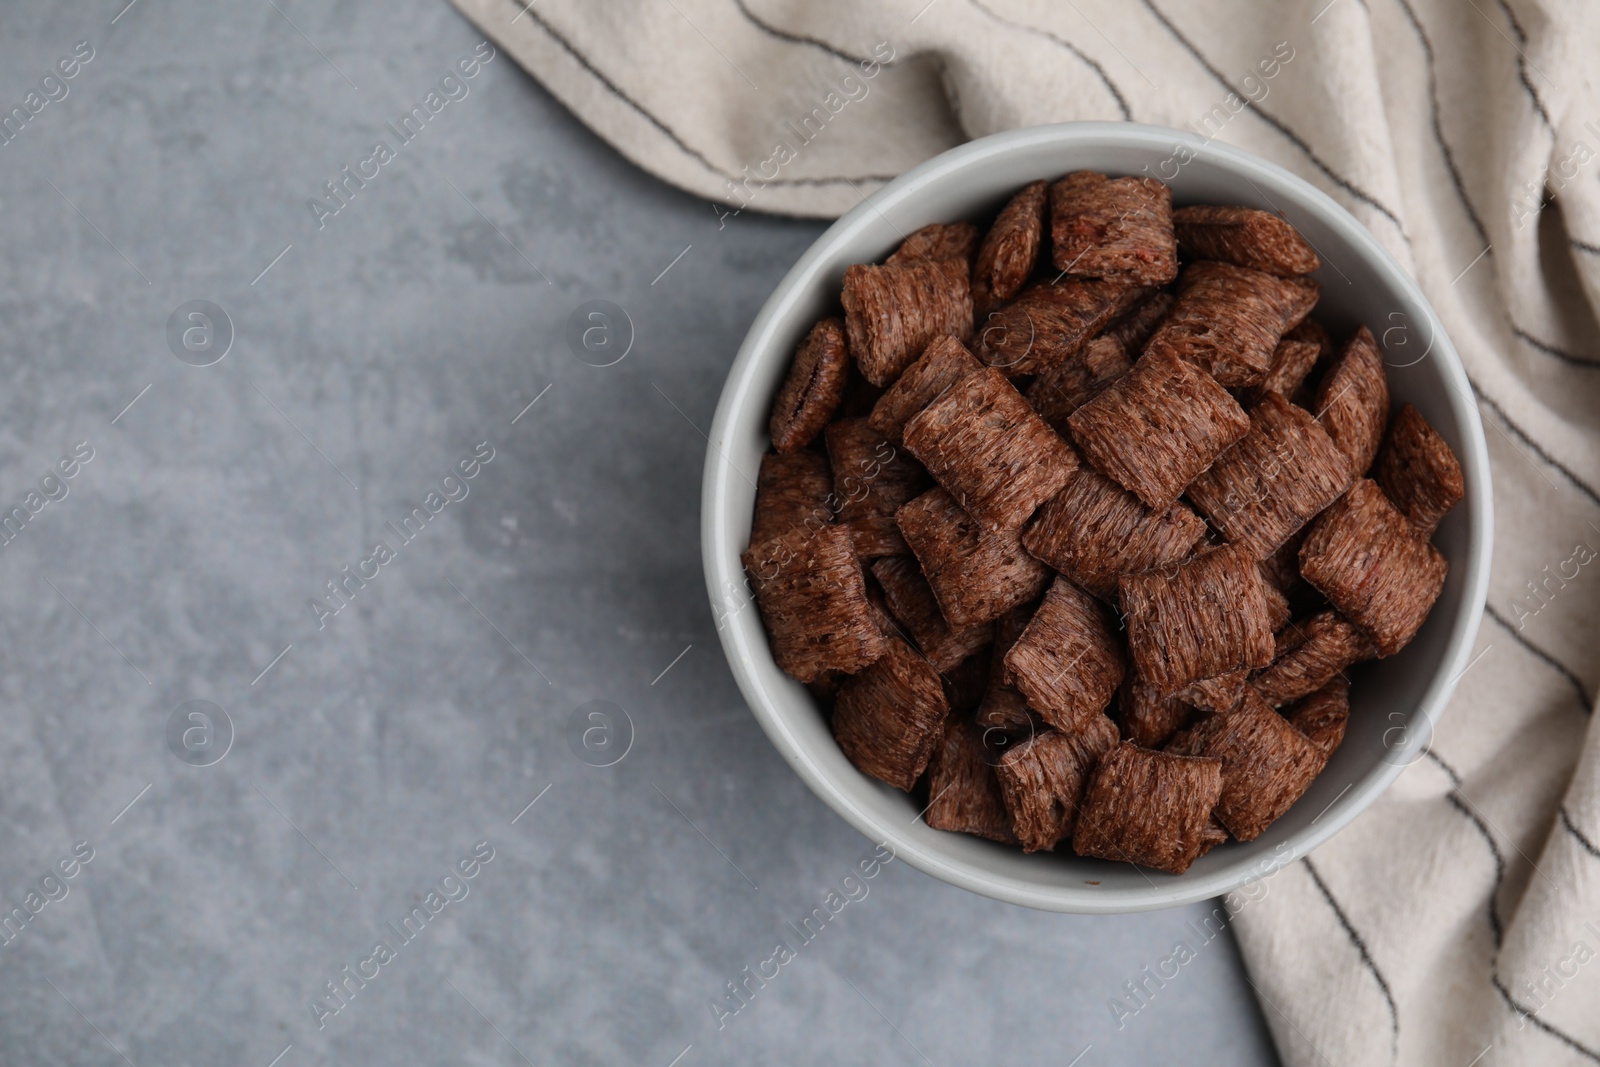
column 797, row 38
column 1522, row 63
column 1455, row 776
column 1523, row 1013
column 1572, row 828
column 1537, row 448
column 1438, row 129
column 1122, row 104
column 1275, row 123
column 1551, row 661
column 1551, row 350
column 1366, row 957
column 668, row 131
column 616, row 90
column 1459, row 803
column 1494, row 924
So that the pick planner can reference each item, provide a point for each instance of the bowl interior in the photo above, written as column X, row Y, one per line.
column 1393, row 702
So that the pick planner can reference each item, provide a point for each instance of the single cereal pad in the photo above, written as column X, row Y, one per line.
column 892, row 312
column 1309, row 653
column 1158, row 426
column 1150, row 808
column 1198, row 619
column 813, row 598
column 976, row 574
column 1352, row 401
column 1116, row 228
column 936, row 241
column 1094, row 531
column 1417, row 471
column 911, row 602
column 1010, row 248
column 889, row 719
column 1245, row 237
column 965, row 790
column 1068, row 662
column 1365, row 557
column 945, row 362
column 1277, row 478
column 793, row 491
column 811, row 392
column 1043, row 779
column 1047, row 323
column 1228, row 320
column 1267, row 764
column 992, row 452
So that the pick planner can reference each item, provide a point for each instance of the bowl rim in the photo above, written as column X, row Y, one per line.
column 720, row 556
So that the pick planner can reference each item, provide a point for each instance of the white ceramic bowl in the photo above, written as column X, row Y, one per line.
column 1394, row 703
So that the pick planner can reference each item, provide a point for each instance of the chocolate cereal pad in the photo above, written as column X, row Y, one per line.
column 1352, row 401
column 1048, row 322
column 793, row 491
column 1274, row 480
column 1010, row 249
column 892, row 312
column 1093, row 531
column 889, row 718
column 1149, row 808
column 1417, row 471
column 976, row 574
column 1119, row 229
column 994, row 454
column 1068, row 661
column 813, row 599
column 1245, row 237
column 1364, row 555
column 963, row 790
column 1158, row 426
column 1229, row 319
column 813, row 389
column 955, row 240
column 1198, row 619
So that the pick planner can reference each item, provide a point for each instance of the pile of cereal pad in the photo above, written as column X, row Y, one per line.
column 1077, row 527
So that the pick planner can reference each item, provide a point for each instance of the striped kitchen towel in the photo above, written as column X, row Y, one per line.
column 1458, row 920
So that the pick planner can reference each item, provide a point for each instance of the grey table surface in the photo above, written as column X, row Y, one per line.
column 238, row 865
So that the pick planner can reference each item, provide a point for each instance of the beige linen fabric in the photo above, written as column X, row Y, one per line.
column 1458, row 920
